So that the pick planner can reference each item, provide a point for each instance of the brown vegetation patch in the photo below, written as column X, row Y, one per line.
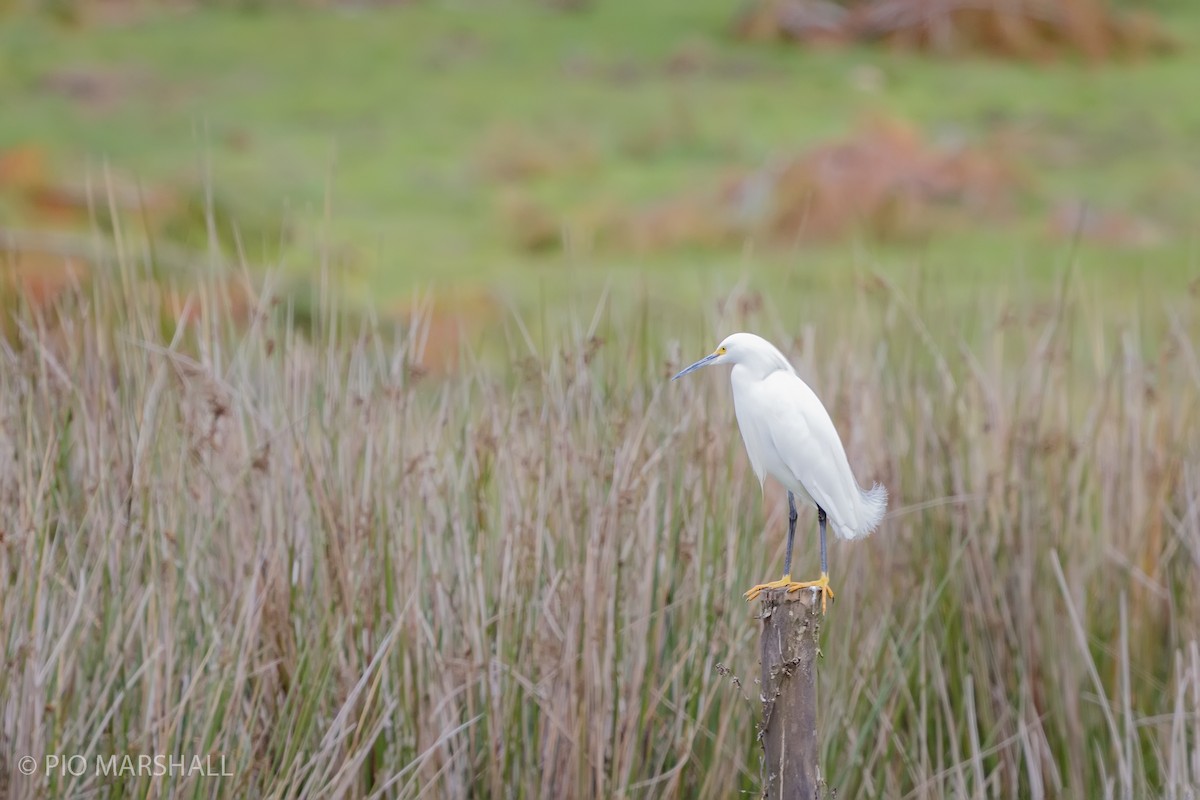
column 46, row 201
column 1076, row 219
column 1036, row 30
column 533, row 227
column 228, row 299
column 42, row 274
column 442, row 326
column 888, row 182
column 509, row 154
column 59, row 231
column 22, row 167
column 39, row 275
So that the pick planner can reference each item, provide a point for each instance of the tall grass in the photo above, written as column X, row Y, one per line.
column 523, row 579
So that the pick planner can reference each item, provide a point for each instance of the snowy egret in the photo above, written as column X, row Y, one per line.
column 788, row 435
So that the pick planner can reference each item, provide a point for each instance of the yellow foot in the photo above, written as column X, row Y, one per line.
column 783, row 583
column 821, row 583
column 787, row 583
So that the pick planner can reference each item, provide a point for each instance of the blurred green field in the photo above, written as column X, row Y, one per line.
column 367, row 132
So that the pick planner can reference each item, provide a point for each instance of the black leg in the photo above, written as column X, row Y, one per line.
column 821, row 519
column 787, row 555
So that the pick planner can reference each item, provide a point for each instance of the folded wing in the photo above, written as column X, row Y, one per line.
column 812, row 455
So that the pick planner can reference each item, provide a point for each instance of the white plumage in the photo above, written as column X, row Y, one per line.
column 789, row 435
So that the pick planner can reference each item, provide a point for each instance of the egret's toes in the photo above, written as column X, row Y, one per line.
column 821, row 583
column 783, row 583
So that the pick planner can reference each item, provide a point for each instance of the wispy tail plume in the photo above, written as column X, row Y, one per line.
column 872, row 507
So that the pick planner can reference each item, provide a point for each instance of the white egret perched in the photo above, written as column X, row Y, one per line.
column 789, row 436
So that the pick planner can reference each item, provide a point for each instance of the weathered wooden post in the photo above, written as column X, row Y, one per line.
column 791, row 624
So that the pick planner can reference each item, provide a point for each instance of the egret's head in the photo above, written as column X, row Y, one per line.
column 734, row 349
column 753, row 352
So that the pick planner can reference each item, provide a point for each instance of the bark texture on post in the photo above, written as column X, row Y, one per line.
column 791, row 623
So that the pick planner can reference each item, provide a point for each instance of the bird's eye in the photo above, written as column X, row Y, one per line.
column 720, row 351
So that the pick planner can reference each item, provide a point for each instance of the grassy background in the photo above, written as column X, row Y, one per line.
column 391, row 115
